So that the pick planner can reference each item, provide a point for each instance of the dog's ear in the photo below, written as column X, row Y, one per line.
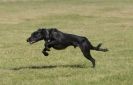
column 40, row 29
column 54, row 29
column 45, row 33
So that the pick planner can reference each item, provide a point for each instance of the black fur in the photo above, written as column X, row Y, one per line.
column 59, row 40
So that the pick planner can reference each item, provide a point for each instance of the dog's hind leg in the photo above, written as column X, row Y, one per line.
column 86, row 52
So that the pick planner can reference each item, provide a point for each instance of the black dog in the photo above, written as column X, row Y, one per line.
column 59, row 40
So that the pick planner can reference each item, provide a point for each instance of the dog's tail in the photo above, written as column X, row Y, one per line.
column 86, row 43
column 97, row 48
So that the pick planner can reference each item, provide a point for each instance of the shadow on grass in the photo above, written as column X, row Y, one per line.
column 49, row 67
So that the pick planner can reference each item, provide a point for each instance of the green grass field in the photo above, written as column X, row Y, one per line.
column 106, row 21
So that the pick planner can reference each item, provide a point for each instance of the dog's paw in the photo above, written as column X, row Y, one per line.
column 45, row 53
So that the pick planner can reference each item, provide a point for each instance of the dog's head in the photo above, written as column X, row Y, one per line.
column 38, row 35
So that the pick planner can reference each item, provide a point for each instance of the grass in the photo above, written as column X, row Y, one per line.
column 106, row 21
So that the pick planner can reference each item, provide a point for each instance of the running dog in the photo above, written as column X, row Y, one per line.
column 59, row 40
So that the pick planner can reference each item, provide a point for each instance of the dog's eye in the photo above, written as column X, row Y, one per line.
column 37, row 35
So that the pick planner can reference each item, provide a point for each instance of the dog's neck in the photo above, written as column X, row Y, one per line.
column 46, row 35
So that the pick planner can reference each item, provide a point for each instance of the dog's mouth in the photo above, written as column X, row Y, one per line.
column 31, row 42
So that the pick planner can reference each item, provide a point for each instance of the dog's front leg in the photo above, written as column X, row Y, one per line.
column 45, row 52
column 46, row 49
column 46, row 46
